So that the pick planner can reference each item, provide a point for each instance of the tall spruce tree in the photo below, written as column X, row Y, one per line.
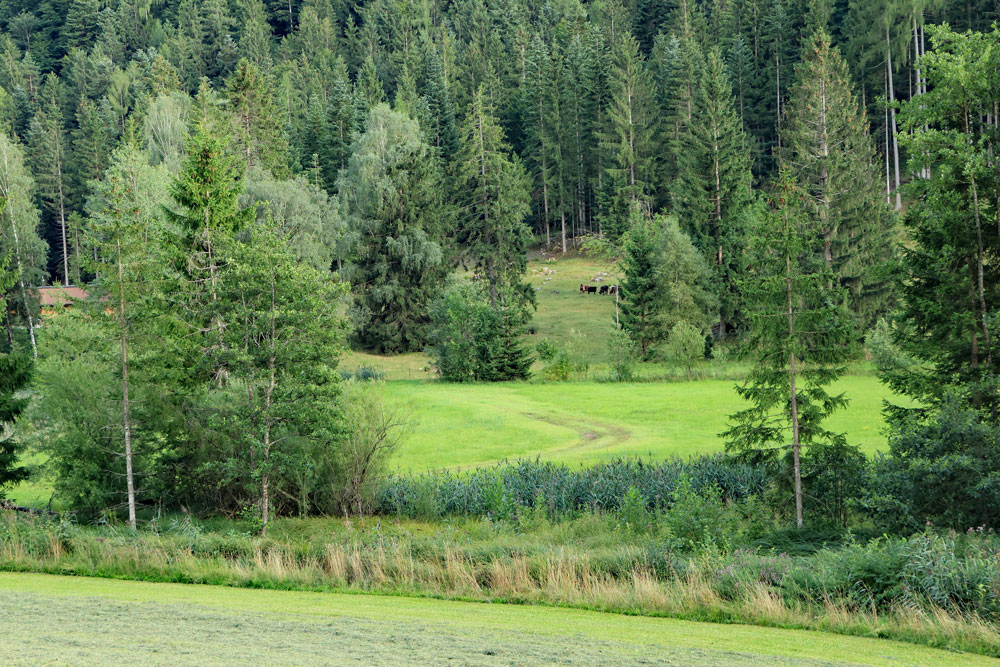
column 826, row 147
column 207, row 214
column 640, row 299
column 15, row 374
column 397, row 225
column 711, row 192
column 50, row 155
column 259, row 135
column 494, row 184
column 950, row 282
column 799, row 337
column 630, row 138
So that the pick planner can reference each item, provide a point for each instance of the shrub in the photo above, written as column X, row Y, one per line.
column 634, row 513
column 599, row 488
column 694, row 519
column 546, row 349
column 621, row 355
column 470, row 340
column 942, row 469
column 559, row 368
column 686, row 345
column 375, row 429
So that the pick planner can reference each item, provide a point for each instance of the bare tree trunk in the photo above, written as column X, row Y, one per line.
column 980, row 287
column 62, row 212
column 265, row 478
column 892, row 116
column 126, row 410
column 888, row 185
column 563, row 218
column 796, row 458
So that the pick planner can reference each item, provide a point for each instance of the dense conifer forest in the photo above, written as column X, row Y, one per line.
column 245, row 190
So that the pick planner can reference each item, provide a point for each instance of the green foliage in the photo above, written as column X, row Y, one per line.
column 472, row 341
column 16, row 370
column 949, row 284
column 512, row 488
column 621, row 355
column 640, row 290
column 304, row 215
column 942, row 468
column 280, row 348
column 494, row 198
column 546, row 349
column 696, row 519
column 257, row 131
column 827, row 148
column 666, row 281
column 799, row 336
column 633, row 512
column 712, row 190
column 19, row 236
column 397, row 225
column 686, row 345
column 374, row 429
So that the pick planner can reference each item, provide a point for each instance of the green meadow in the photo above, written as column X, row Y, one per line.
column 586, row 422
column 46, row 619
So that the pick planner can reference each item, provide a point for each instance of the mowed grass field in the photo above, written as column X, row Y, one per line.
column 47, row 619
column 584, row 422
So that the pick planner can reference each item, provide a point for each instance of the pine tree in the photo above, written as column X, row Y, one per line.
column 640, row 296
column 631, row 136
column 259, row 135
column 536, row 148
column 442, row 131
column 206, row 193
column 492, row 232
column 81, row 26
column 798, row 335
column 397, row 225
column 711, row 192
column 949, row 298
column 826, row 147
column 50, row 155
column 341, row 125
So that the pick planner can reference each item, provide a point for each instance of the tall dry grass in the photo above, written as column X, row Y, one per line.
column 562, row 576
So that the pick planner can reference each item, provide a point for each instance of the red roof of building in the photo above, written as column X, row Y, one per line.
column 59, row 295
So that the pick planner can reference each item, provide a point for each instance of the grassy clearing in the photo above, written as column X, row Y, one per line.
column 577, row 422
column 459, row 426
column 77, row 620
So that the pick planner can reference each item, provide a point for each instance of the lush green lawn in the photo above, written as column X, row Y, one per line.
column 456, row 425
column 580, row 422
column 67, row 620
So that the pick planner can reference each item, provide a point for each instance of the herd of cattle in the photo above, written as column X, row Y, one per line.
column 594, row 289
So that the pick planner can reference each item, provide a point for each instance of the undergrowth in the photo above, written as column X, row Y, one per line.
column 939, row 590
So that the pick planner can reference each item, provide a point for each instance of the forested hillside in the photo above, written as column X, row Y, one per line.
column 246, row 189
column 685, row 105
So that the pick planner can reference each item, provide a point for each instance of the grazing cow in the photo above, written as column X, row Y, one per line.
column 604, row 289
column 613, row 289
column 592, row 289
column 583, row 289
